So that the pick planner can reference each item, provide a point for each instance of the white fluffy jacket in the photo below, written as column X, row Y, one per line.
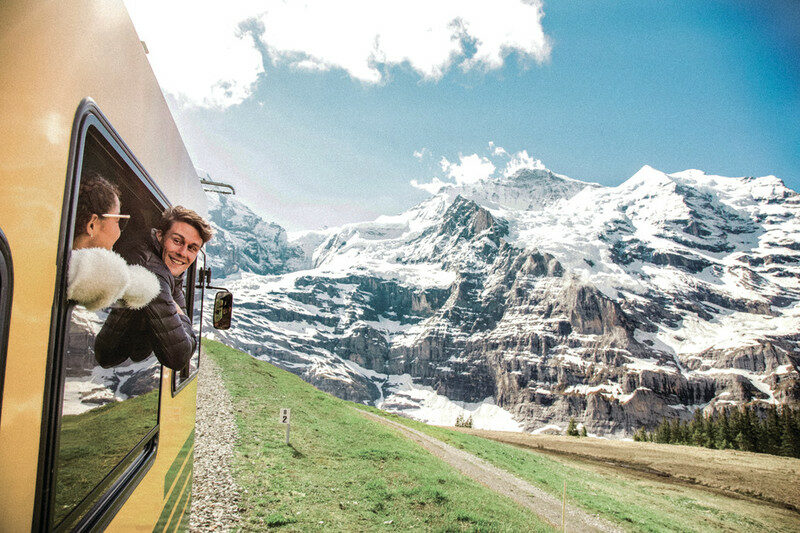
column 98, row 277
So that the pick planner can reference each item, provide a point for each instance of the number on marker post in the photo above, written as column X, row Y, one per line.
column 285, row 418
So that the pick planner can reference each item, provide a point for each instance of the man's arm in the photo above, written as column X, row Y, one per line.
column 173, row 336
column 122, row 336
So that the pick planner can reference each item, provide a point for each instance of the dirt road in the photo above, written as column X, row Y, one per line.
column 759, row 476
column 543, row 504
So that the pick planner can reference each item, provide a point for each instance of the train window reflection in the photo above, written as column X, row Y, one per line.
column 106, row 412
column 109, row 408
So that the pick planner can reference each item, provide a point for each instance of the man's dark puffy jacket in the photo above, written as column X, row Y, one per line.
column 157, row 327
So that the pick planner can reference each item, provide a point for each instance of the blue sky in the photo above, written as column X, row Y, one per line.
column 312, row 137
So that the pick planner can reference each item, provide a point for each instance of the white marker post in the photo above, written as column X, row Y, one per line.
column 286, row 418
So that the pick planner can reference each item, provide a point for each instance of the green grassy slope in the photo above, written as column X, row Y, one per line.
column 343, row 472
column 640, row 504
column 346, row 473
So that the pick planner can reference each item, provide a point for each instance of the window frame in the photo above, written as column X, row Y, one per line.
column 6, row 295
column 103, row 502
column 191, row 283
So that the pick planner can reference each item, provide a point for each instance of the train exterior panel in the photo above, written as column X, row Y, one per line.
column 59, row 63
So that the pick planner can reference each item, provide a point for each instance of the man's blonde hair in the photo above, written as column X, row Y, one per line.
column 179, row 213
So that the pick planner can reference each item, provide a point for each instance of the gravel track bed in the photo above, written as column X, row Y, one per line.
column 215, row 494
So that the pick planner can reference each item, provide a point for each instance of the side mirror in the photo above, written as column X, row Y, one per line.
column 223, row 310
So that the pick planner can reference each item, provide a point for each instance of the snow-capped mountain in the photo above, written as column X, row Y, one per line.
column 527, row 300
column 245, row 242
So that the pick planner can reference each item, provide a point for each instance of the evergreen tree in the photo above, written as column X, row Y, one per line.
column 463, row 422
column 657, row 434
column 710, row 433
column 572, row 428
column 745, row 440
column 743, row 428
column 772, row 431
column 757, row 430
column 790, row 441
column 723, row 431
column 583, row 431
column 796, row 416
column 676, row 432
column 697, row 429
column 735, row 427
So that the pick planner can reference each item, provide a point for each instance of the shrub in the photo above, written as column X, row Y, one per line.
column 463, row 422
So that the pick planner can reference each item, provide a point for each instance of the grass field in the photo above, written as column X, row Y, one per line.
column 639, row 503
column 342, row 471
column 761, row 476
column 346, row 473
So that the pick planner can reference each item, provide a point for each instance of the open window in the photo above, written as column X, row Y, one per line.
column 102, row 429
column 194, row 307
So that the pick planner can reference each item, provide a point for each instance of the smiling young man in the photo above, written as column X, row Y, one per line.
column 162, row 325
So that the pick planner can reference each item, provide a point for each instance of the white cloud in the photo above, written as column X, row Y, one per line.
column 433, row 187
column 199, row 51
column 519, row 161
column 419, row 154
column 359, row 36
column 497, row 150
column 474, row 168
column 470, row 169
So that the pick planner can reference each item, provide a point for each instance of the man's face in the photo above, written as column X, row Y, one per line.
column 179, row 247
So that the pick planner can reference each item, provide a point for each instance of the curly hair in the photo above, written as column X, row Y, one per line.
column 96, row 196
column 182, row 214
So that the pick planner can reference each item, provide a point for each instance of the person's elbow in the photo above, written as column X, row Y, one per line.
column 176, row 356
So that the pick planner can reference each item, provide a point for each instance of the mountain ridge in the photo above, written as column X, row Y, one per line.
column 614, row 305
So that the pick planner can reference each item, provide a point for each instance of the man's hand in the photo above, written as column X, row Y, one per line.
column 178, row 307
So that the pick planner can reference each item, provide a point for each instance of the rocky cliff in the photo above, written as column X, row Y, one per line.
column 537, row 298
column 244, row 242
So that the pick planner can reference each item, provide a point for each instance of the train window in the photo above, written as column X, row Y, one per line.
column 6, row 284
column 109, row 400
column 194, row 305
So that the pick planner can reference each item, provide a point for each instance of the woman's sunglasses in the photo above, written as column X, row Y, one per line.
column 122, row 220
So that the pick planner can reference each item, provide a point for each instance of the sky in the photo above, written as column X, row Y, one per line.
column 322, row 113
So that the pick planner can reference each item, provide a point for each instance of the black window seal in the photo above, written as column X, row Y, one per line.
column 87, row 114
column 191, row 304
column 6, row 294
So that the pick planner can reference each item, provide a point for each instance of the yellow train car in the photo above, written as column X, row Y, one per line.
column 84, row 447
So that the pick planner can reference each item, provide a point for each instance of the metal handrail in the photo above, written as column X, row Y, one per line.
column 217, row 184
column 211, row 183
